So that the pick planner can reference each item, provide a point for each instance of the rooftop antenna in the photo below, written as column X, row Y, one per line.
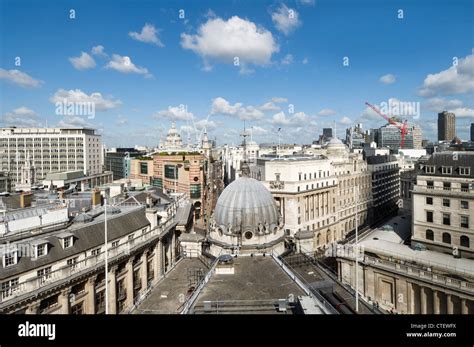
column 244, row 167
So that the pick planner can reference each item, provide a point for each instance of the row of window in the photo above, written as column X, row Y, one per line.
column 463, row 204
column 448, row 170
column 464, row 220
column 447, row 186
column 446, row 238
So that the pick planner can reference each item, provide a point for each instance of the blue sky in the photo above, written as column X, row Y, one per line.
column 290, row 73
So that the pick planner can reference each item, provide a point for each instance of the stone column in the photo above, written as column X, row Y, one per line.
column 144, row 271
column 63, row 301
column 90, row 299
column 450, row 303
column 464, row 306
column 411, row 298
column 129, row 284
column 157, row 261
column 423, row 301
column 436, row 302
column 112, row 304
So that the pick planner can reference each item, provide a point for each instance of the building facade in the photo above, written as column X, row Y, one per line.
column 385, row 184
column 390, row 136
column 62, row 271
column 51, row 150
column 446, row 126
column 316, row 195
column 443, row 219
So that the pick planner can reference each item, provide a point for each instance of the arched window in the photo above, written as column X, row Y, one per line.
column 465, row 241
column 430, row 235
column 318, row 239
column 328, row 236
column 446, row 238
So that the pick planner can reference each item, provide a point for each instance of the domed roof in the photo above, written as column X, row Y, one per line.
column 335, row 142
column 246, row 204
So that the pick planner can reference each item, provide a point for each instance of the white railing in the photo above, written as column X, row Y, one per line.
column 87, row 264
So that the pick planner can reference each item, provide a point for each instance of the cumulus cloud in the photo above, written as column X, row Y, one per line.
column 345, row 120
column 298, row 119
column 175, row 113
column 220, row 40
column 74, row 122
column 269, row 106
column 441, row 104
column 257, row 130
column 99, row 51
column 124, row 64
column 78, row 96
column 307, row 2
column 458, row 79
column 463, row 112
column 149, row 34
column 279, row 100
column 19, row 78
column 22, row 116
column 83, row 62
column 326, row 112
column 285, row 19
column 221, row 106
column 305, row 61
column 387, row 79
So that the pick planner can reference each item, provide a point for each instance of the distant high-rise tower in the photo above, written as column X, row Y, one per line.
column 327, row 132
column 472, row 131
column 446, row 126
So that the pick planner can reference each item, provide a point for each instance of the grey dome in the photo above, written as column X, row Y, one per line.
column 244, row 204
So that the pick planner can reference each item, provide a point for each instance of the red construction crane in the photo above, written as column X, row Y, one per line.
column 403, row 127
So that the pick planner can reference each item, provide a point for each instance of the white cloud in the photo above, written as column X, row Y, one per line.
column 305, row 61
column 74, row 122
column 441, row 104
column 99, row 51
column 387, row 79
column 149, row 34
column 298, row 119
column 285, row 19
column 125, row 65
column 287, row 60
column 78, row 96
column 345, row 120
column 279, row 100
column 269, row 106
column 257, row 130
column 223, row 40
column 83, row 62
column 19, row 78
column 457, row 79
column 463, row 112
column 121, row 120
column 21, row 116
column 175, row 113
column 205, row 123
column 326, row 112
column 307, row 2
column 221, row 106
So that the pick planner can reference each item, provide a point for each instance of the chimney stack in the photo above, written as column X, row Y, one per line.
column 96, row 197
column 26, row 199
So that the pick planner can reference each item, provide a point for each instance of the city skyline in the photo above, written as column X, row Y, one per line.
column 156, row 64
